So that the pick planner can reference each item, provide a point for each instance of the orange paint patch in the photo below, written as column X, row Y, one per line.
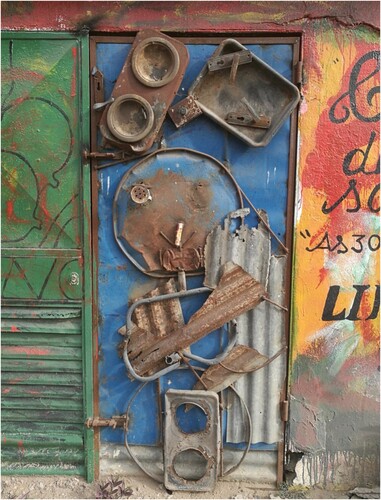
column 29, row 351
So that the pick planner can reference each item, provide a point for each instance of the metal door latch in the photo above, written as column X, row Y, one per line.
column 184, row 111
column 245, row 120
column 116, row 421
column 250, row 119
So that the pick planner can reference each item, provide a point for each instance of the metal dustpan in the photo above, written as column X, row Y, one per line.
column 243, row 94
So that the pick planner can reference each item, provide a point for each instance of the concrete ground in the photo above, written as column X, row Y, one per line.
column 57, row 487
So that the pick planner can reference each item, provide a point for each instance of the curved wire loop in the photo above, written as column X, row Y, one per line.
column 160, row 479
column 175, row 366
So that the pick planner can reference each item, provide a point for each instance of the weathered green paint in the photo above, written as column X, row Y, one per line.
column 40, row 416
column 47, row 470
column 21, row 365
column 46, row 265
column 46, row 313
column 48, row 278
column 69, row 379
column 36, row 339
column 51, row 431
column 27, row 352
column 22, row 326
column 70, row 440
column 37, row 403
column 87, row 317
column 41, row 391
column 44, row 455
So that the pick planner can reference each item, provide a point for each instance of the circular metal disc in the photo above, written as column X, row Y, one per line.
column 189, row 194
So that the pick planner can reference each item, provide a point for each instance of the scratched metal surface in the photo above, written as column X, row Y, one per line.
column 262, row 174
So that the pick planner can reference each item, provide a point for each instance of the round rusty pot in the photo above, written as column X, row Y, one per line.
column 155, row 62
column 130, row 118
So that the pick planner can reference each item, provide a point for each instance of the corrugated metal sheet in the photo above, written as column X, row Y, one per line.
column 159, row 318
column 261, row 328
column 42, row 373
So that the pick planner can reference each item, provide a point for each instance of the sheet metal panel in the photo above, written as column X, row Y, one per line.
column 42, row 390
column 46, row 270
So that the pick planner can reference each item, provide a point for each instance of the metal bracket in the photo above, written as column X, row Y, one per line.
column 251, row 119
column 180, row 443
column 116, row 421
column 225, row 61
column 284, row 410
column 184, row 111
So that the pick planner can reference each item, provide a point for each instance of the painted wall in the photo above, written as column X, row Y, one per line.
column 335, row 359
column 334, row 369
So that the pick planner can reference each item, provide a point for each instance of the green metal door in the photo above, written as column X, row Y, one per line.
column 46, row 266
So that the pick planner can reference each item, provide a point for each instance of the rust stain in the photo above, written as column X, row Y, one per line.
column 156, row 320
column 138, row 77
column 14, row 329
column 160, row 317
column 74, row 76
column 21, row 448
column 43, row 183
column 236, row 293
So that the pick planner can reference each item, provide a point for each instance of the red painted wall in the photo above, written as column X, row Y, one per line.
column 185, row 16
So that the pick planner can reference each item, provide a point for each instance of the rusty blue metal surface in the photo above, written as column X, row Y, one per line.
column 261, row 172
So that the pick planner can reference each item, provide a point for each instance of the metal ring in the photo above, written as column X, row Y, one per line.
column 155, row 69
column 130, row 125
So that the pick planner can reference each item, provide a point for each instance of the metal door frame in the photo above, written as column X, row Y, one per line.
column 268, row 39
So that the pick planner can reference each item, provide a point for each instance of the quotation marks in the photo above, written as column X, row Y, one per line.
column 356, row 243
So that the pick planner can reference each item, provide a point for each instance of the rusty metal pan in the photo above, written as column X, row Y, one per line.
column 243, row 94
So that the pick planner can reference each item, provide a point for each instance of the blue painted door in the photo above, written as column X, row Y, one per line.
column 262, row 174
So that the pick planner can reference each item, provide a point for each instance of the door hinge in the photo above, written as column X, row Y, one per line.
column 116, row 421
column 298, row 73
column 284, row 409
